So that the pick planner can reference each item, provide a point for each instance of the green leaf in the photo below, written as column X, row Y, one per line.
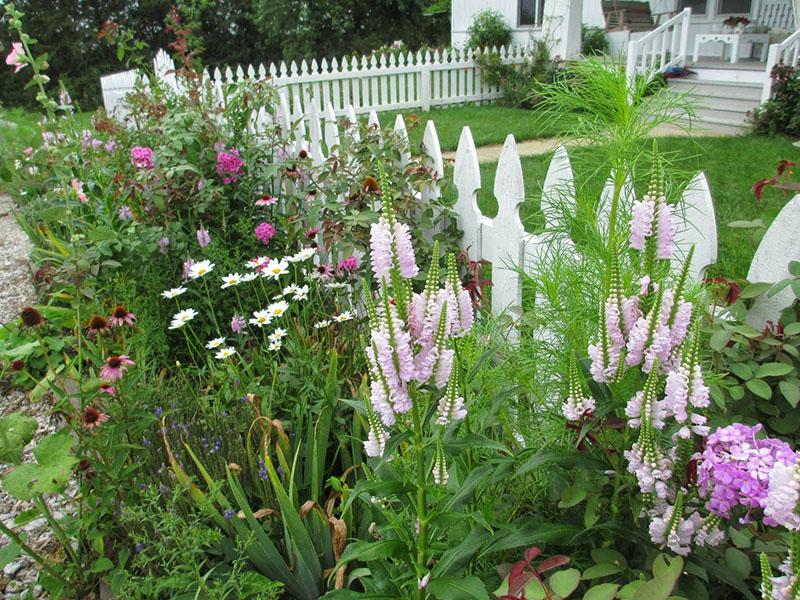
column 791, row 391
column 607, row 555
column 658, row 588
column 8, row 553
column 742, row 371
column 565, row 582
column 50, row 474
column 773, row 369
column 601, row 570
column 16, row 430
column 791, row 329
column 738, row 562
column 604, row 591
column 352, row 595
column 755, row 289
column 719, row 339
column 458, row 588
column 562, row 458
column 571, row 496
column 794, row 268
column 101, row 565
column 796, row 288
column 760, row 388
column 365, row 551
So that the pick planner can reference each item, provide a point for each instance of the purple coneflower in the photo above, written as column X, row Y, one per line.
column 121, row 316
column 93, row 418
column 97, row 326
column 115, row 367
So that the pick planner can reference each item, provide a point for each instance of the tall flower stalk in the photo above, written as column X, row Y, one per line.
column 413, row 364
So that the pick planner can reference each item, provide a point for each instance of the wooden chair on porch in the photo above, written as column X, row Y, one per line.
column 627, row 15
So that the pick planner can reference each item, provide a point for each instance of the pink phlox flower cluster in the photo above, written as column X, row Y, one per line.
column 142, row 158
column 783, row 496
column 264, row 232
column 735, row 468
column 229, row 166
column 642, row 216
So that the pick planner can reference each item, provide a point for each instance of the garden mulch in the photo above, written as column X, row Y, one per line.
column 16, row 291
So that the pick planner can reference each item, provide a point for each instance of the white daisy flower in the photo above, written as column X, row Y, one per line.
column 226, row 352
column 215, row 343
column 304, row 254
column 277, row 335
column 261, row 318
column 336, row 285
column 198, row 269
column 231, row 279
column 322, row 324
column 276, row 309
column 258, row 261
column 180, row 319
column 290, row 289
column 174, row 292
column 274, row 346
column 249, row 277
column 276, row 268
column 301, row 293
column 341, row 318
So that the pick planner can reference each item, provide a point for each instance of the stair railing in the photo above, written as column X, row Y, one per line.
column 787, row 53
column 660, row 48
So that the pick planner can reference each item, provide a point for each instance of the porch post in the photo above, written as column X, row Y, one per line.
column 685, row 33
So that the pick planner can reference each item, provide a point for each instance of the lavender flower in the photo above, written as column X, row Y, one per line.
column 238, row 323
column 162, row 244
column 125, row 213
column 203, row 237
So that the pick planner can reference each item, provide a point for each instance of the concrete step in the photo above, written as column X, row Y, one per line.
column 717, row 89
column 735, row 105
column 719, row 125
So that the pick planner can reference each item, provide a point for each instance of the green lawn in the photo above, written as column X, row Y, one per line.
column 490, row 124
column 732, row 165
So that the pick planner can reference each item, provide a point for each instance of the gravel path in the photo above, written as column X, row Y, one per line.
column 16, row 291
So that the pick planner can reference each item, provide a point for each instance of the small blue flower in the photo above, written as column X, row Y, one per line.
column 228, row 514
column 158, row 411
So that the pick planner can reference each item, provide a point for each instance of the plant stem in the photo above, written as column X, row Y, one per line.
column 14, row 537
column 57, row 530
column 422, row 536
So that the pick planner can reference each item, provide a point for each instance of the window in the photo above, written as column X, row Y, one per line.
column 530, row 12
column 698, row 6
column 728, row 7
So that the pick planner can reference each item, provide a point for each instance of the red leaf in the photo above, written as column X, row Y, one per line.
column 559, row 560
column 758, row 188
column 532, row 553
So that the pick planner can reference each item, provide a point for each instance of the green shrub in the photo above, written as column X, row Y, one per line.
column 488, row 29
column 593, row 41
column 517, row 81
column 781, row 114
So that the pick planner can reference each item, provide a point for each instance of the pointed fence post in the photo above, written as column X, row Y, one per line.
column 314, row 132
column 332, row 140
column 779, row 246
column 558, row 191
column 405, row 151
column 352, row 118
column 467, row 179
column 501, row 239
column 696, row 226
column 299, row 123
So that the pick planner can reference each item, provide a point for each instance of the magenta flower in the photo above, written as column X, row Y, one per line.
column 16, row 58
column 229, row 166
column 266, row 200
column 115, row 367
column 142, row 157
column 347, row 266
column 110, row 145
column 203, row 237
column 28, row 151
column 264, row 232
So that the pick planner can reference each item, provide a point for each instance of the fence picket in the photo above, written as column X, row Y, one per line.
column 314, row 133
column 697, row 226
column 332, row 140
column 405, row 151
column 558, row 191
column 779, row 245
column 501, row 238
column 467, row 179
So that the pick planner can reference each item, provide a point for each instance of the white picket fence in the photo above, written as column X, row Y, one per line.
column 387, row 82
column 502, row 240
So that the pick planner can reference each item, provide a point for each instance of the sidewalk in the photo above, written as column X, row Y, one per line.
column 491, row 153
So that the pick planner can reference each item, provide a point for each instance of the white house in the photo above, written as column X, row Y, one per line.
column 556, row 21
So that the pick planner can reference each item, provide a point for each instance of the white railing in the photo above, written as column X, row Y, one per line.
column 787, row 53
column 396, row 81
column 660, row 48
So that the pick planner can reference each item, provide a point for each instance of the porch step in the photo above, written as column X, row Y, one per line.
column 720, row 106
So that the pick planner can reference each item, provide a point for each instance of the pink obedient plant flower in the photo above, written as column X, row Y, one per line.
column 16, row 58
column 203, row 237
